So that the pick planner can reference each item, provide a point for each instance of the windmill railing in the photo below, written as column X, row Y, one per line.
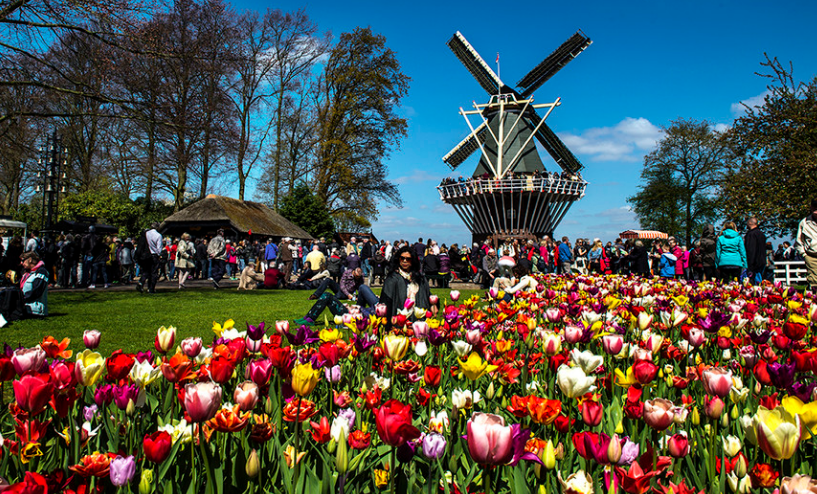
column 510, row 185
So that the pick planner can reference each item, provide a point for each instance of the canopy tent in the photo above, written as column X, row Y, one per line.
column 642, row 234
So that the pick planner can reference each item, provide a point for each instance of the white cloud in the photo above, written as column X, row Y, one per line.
column 753, row 102
column 629, row 140
column 417, row 176
column 721, row 127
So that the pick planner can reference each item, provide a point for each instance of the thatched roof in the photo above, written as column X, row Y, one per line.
column 243, row 217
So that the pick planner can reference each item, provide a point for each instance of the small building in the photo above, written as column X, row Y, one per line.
column 343, row 237
column 239, row 219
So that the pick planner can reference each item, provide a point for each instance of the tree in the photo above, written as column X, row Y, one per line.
column 358, row 126
column 305, row 210
column 775, row 177
column 681, row 179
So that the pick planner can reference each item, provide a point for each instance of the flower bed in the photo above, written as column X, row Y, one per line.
column 602, row 384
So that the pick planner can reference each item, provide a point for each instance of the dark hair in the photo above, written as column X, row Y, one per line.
column 415, row 263
column 30, row 255
column 814, row 204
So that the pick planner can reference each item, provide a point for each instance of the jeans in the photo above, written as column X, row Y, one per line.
column 367, row 268
column 87, row 263
column 366, row 297
column 218, row 269
column 332, row 285
column 95, row 270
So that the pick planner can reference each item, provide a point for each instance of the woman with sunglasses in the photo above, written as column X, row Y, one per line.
column 404, row 282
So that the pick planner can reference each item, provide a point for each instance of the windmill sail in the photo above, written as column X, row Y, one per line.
column 548, row 67
column 469, row 57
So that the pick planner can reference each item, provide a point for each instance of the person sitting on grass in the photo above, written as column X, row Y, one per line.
column 250, row 277
column 34, row 285
column 350, row 282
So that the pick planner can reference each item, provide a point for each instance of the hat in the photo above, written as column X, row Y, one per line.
column 228, row 240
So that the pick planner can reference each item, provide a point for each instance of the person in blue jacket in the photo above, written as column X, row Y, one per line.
column 730, row 253
column 666, row 265
column 34, row 285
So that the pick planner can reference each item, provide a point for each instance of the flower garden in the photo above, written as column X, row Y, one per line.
column 587, row 384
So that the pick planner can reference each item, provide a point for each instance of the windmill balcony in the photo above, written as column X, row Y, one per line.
column 451, row 192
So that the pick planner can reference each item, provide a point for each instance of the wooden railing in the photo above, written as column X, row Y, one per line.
column 527, row 184
column 790, row 272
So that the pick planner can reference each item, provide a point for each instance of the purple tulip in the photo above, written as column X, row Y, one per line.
column 122, row 470
column 348, row 414
column 629, row 452
column 89, row 412
column 123, row 394
column 433, row 445
column 103, row 395
column 255, row 333
column 782, row 375
column 333, row 374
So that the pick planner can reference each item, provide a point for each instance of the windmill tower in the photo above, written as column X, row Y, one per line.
column 511, row 194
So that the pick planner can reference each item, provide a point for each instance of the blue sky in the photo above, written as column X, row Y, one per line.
column 650, row 63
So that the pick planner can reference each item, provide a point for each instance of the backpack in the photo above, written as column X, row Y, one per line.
column 142, row 247
column 333, row 265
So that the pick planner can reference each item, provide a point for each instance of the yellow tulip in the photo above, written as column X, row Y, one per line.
column 475, row 367
column 218, row 328
column 798, row 319
column 89, row 367
column 625, row 380
column 395, row 346
column 304, row 378
column 680, row 300
column 381, row 478
column 329, row 335
column 806, row 411
column 778, row 432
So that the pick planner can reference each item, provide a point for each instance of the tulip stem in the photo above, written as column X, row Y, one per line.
column 486, row 479
column 202, row 445
column 392, row 467
column 295, row 453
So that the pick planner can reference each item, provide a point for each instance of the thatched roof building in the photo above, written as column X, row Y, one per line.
column 239, row 219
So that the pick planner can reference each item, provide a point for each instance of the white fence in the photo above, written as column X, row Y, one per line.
column 790, row 272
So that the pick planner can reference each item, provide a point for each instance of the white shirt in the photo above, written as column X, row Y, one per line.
column 154, row 239
column 31, row 245
column 806, row 240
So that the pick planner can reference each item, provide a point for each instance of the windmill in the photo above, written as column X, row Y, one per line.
column 510, row 192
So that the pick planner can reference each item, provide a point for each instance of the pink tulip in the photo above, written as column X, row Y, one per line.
column 347, row 318
column 27, row 359
column 91, row 338
column 573, row 333
column 717, row 381
column 380, row 310
column 421, row 329
column 191, row 347
column 489, row 439
column 553, row 315
column 750, row 358
column 259, row 371
column 492, row 443
column 32, row 392
column 202, row 400
column 658, row 413
column 333, row 374
column 253, row 346
column 246, row 395
column 473, row 336
column 282, row 327
column 455, row 295
column 696, row 337
column 434, row 299
column 408, row 304
column 612, row 344
column 678, row 445
column 713, row 407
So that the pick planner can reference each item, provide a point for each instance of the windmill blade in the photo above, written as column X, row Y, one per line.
column 469, row 57
column 569, row 50
column 466, row 147
column 554, row 146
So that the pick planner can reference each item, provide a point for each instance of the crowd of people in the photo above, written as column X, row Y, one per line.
column 487, row 182
column 336, row 271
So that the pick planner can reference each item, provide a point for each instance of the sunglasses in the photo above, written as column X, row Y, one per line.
column 405, row 258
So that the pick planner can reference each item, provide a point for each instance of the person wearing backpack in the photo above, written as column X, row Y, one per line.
column 148, row 250
column 335, row 265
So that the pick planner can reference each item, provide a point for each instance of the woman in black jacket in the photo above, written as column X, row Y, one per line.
column 404, row 282
column 709, row 244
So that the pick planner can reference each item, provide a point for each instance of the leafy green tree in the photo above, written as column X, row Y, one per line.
column 681, row 179
column 359, row 126
column 307, row 211
column 107, row 206
column 775, row 177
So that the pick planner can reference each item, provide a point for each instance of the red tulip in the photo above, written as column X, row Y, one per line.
column 394, row 426
column 360, row 440
column 592, row 412
column 321, row 432
column 795, row 331
column 645, row 371
column 33, row 391
column 221, row 369
column 612, row 344
column 7, row 371
column 157, row 446
column 119, row 365
column 678, row 445
column 202, row 400
column 432, row 375
column 62, row 375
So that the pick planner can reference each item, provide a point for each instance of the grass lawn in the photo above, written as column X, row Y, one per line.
column 129, row 320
